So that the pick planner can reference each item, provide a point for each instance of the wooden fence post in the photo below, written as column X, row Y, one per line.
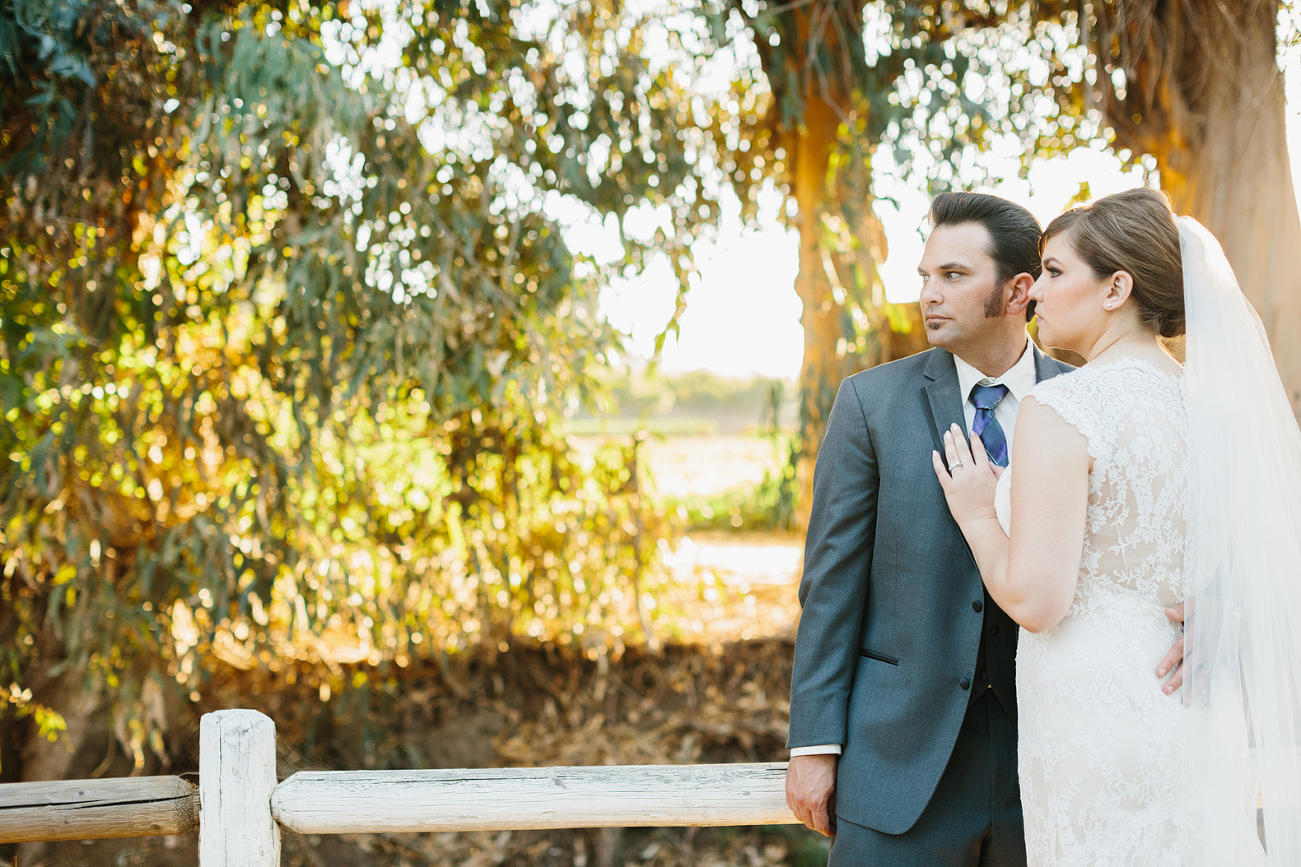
column 237, row 775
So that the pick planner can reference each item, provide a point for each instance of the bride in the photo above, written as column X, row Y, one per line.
column 1137, row 485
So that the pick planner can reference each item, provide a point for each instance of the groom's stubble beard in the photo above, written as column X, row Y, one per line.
column 994, row 303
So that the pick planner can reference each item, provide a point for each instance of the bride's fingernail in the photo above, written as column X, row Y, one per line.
column 1160, row 672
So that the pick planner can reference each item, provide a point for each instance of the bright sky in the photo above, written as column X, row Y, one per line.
column 742, row 314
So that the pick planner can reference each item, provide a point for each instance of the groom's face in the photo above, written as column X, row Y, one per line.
column 962, row 298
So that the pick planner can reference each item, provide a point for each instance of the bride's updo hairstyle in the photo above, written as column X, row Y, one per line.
column 1134, row 232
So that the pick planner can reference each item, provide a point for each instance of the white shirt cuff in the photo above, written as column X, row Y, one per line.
column 816, row 750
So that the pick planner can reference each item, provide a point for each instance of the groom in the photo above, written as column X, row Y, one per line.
column 903, row 703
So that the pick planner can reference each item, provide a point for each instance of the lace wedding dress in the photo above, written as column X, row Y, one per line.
column 1101, row 749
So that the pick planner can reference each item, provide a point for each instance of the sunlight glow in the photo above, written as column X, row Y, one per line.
column 742, row 313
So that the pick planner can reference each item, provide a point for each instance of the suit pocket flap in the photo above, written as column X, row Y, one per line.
column 881, row 657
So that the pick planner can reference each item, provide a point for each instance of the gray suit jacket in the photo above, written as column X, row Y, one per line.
column 894, row 612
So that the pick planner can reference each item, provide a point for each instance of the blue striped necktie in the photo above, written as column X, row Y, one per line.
column 985, row 398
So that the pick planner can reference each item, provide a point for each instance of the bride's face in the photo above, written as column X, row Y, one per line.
column 1070, row 297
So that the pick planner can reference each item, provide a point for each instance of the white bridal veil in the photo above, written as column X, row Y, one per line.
column 1243, row 662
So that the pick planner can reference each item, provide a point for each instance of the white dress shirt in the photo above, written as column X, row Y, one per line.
column 1019, row 379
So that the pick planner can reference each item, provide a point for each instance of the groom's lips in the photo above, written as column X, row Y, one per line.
column 930, row 319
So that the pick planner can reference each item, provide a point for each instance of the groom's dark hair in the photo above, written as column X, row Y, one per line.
column 1013, row 231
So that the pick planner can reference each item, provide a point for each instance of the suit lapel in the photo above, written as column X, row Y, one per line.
column 944, row 401
column 942, row 395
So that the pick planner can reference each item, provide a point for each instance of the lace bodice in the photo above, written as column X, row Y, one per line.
column 1101, row 773
column 1133, row 417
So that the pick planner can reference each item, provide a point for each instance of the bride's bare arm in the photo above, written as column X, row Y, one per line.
column 1032, row 575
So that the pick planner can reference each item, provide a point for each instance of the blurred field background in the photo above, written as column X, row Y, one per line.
column 444, row 378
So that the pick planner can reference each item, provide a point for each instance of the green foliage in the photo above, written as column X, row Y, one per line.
column 288, row 328
column 925, row 81
column 48, row 722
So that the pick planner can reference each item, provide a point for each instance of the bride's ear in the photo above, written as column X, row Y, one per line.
column 1119, row 287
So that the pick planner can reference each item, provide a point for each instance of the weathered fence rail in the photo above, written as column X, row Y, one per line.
column 239, row 808
column 94, row 809
column 348, row 802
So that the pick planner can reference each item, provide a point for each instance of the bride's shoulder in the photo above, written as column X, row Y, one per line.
column 1113, row 389
column 1073, row 381
column 1127, row 372
column 1078, row 396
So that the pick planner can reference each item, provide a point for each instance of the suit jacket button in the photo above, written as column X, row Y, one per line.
column 964, row 683
column 976, row 606
column 993, row 630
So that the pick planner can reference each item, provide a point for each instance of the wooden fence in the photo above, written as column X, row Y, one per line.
column 238, row 807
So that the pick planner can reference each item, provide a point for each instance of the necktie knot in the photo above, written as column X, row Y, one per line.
column 987, row 396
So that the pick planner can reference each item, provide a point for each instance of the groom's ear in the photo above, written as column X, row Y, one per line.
column 1019, row 297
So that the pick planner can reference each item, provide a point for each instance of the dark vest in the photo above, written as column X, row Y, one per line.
column 996, row 657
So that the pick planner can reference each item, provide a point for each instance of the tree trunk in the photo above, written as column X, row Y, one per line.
column 826, row 327
column 848, row 324
column 1216, row 125
column 812, row 57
